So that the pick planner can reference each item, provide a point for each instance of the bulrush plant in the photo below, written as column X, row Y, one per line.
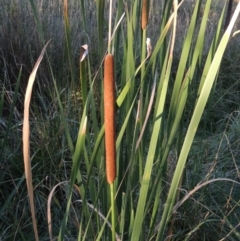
column 109, row 123
column 116, row 169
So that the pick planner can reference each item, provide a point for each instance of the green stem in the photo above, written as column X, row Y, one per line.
column 113, row 211
column 110, row 27
column 83, row 81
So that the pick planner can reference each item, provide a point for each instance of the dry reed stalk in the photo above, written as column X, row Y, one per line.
column 26, row 141
column 65, row 9
column 144, row 14
column 109, row 118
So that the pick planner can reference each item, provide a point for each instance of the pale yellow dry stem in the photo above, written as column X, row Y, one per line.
column 26, row 145
column 110, row 27
column 84, row 126
column 147, row 114
column 65, row 9
column 194, row 190
column 49, row 217
column 117, row 237
column 175, row 8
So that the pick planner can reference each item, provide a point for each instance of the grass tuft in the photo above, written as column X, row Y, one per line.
column 168, row 142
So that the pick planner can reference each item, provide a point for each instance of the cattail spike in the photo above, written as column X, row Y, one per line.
column 109, row 118
column 144, row 14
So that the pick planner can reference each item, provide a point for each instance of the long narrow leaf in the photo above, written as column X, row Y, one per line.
column 26, row 137
column 194, row 124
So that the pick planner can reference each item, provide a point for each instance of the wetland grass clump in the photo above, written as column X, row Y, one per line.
column 84, row 172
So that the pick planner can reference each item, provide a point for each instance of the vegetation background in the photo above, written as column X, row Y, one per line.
column 70, row 160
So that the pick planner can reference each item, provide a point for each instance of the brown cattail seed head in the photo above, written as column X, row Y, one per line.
column 109, row 118
column 144, row 14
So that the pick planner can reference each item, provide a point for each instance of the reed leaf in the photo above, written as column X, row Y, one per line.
column 196, row 117
column 26, row 140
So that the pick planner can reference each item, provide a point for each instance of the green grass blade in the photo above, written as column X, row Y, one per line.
column 100, row 22
column 75, row 172
column 83, row 81
column 37, row 20
column 2, row 100
column 201, row 103
column 182, row 63
column 137, row 228
column 13, row 104
column 68, row 43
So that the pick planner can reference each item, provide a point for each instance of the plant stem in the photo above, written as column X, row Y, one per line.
column 113, row 211
column 110, row 27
